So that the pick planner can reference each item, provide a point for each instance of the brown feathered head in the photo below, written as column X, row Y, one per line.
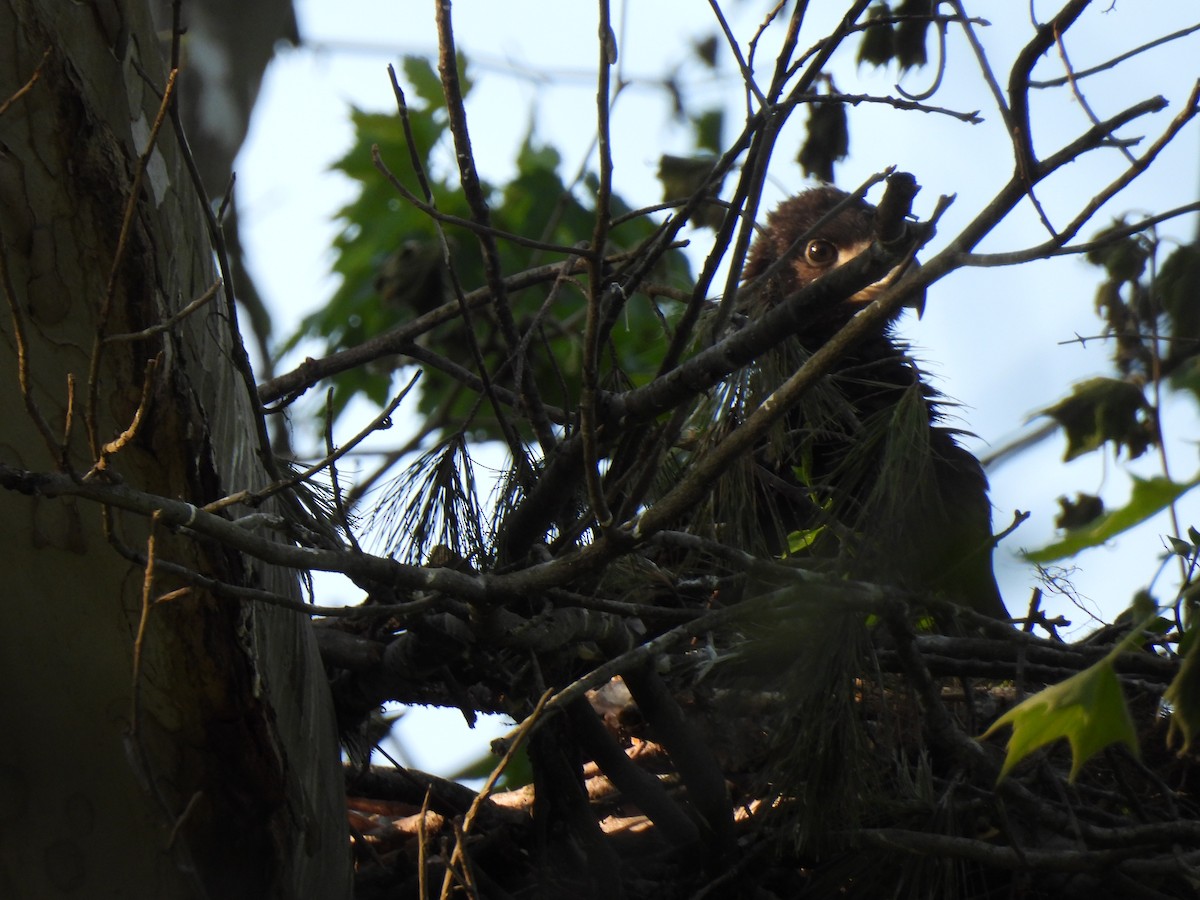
column 794, row 232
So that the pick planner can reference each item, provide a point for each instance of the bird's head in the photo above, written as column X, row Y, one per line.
column 810, row 248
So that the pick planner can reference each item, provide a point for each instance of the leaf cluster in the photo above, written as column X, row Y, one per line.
column 396, row 263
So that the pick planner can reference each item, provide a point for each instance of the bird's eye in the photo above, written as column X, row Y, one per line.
column 820, row 253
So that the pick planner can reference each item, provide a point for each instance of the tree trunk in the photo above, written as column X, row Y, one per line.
column 200, row 760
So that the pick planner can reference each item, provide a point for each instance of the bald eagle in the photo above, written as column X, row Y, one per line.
column 863, row 477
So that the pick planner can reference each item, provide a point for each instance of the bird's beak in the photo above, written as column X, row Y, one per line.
column 903, row 271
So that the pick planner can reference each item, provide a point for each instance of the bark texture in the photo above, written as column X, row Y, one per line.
column 213, row 772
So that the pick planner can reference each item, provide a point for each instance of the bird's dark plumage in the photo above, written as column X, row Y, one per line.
column 864, row 467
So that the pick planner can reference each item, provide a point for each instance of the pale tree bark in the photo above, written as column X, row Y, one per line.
column 200, row 760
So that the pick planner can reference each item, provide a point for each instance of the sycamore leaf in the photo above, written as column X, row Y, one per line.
column 709, row 125
column 390, row 259
column 1124, row 258
column 910, row 33
column 828, row 139
column 517, row 774
column 1149, row 496
column 427, row 83
column 878, row 45
column 1088, row 709
column 1100, row 411
column 706, row 51
column 799, row 541
column 1080, row 512
column 682, row 176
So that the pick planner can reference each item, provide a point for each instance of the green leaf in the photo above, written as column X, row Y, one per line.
column 683, row 176
column 1144, row 608
column 1150, row 495
column 1103, row 410
column 799, row 541
column 1080, row 512
column 878, row 44
column 427, row 83
column 1179, row 547
column 419, row 72
column 1088, row 709
column 1124, row 259
column 910, row 34
column 517, row 774
column 706, row 50
column 709, row 125
column 828, row 138
column 390, row 259
column 1178, row 286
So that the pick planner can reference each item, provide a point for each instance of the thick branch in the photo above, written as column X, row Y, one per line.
column 178, row 514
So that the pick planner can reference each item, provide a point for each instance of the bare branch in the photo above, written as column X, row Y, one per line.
column 28, row 85
column 473, row 190
column 1116, row 60
column 179, row 514
column 397, row 341
column 1052, row 248
column 171, row 321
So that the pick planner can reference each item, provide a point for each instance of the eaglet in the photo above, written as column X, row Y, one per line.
column 862, row 477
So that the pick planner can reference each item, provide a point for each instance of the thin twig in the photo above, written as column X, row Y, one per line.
column 518, row 739
column 1115, row 61
column 1051, row 248
column 599, row 289
column 422, row 851
column 971, row 118
column 28, row 85
column 331, row 455
column 236, row 346
column 747, row 73
column 381, row 422
column 477, row 201
column 106, row 303
column 293, row 384
column 180, row 514
column 940, row 71
column 139, row 641
column 471, row 225
column 115, row 446
column 1079, row 96
column 57, row 451
column 470, row 380
column 170, row 322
